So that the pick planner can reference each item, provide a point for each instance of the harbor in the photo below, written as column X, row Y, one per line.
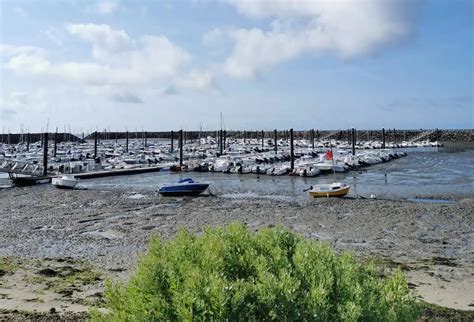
column 263, row 160
column 259, row 152
column 410, row 206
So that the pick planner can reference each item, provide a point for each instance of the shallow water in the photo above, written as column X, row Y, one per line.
column 432, row 201
column 422, row 172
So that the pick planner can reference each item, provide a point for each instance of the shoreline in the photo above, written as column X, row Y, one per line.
column 109, row 229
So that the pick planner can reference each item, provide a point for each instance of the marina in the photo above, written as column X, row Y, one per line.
column 247, row 170
column 262, row 160
column 261, row 155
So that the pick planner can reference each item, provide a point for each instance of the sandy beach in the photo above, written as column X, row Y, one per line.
column 86, row 236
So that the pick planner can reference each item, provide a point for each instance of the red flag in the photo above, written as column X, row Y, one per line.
column 328, row 155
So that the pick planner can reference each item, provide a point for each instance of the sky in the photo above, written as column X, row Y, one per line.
column 162, row 65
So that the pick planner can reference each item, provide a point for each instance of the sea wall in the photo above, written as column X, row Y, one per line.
column 391, row 135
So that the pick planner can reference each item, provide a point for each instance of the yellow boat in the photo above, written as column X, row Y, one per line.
column 335, row 189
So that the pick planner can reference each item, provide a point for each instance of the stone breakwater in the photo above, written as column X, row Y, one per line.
column 398, row 136
column 391, row 135
column 457, row 136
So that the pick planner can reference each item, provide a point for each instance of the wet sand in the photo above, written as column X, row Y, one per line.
column 432, row 243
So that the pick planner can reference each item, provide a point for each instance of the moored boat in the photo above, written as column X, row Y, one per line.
column 64, row 182
column 184, row 187
column 335, row 189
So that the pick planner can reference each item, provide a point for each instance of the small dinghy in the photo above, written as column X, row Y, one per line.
column 184, row 187
column 64, row 182
column 335, row 189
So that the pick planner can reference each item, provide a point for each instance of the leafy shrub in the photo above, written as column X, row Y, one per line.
column 232, row 274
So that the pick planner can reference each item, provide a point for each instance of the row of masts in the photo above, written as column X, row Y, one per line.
column 366, row 135
column 221, row 139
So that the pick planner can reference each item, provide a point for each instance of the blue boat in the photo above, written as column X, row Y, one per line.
column 184, row 187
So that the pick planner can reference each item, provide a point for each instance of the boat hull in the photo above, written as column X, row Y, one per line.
column 29, row 181
column 183, row 190
column 63, row 183
column 329, row 193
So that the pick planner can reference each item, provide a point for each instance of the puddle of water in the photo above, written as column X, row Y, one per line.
column 433, row 201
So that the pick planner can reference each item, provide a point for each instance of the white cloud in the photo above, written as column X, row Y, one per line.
column 54, row 35
column 116, row 58
column 347, row 28
column 104, row 39
column 9, row 50
column 119, row 69
column 106, row 7
column 198, row 80
column 26, row 64
column 255, row 49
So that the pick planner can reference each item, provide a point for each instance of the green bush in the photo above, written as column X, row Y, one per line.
column 232, row 274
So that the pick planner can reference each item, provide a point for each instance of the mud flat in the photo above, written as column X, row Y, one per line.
column 57, row 246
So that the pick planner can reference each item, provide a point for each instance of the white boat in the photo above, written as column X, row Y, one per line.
column 65, row 182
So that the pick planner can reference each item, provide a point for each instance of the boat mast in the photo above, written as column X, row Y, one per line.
column 221, row 121
column 333, row 165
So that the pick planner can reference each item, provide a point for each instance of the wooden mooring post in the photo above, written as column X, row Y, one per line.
column 292, row 151
column 28, row 142
column 95, row 144
column 45, row 154
column 312, row 139
column 353, row 141
column 180, row 147
column 275, row 139
column 383, row 138
column 126, row 142
column 263, row 138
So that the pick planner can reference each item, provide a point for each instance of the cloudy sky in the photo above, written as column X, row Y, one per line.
column 161, row 65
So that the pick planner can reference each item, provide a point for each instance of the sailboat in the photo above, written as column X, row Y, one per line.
column 336, row 189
